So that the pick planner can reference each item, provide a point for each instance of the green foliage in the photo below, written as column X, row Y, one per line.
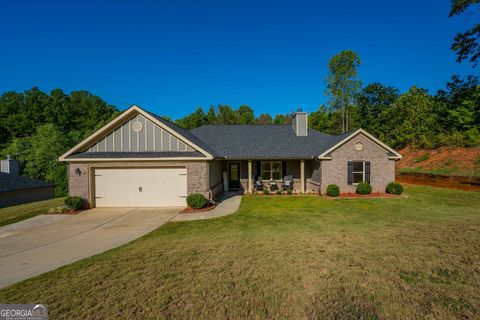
column 466, row 44
column 74, row 203
column 423, row 157
column 266, row 190
column 333, row 190
column 343, row 83
column 196, row 200
column 37, row 127
column 278, row 192
column 264, row 118
column 364, row 188
column 289, row 192
column 38, row 156
column 245, row 115
column 394, row 188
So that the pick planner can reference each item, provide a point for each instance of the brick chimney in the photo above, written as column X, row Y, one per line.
column 9, row 166
column 300, row 123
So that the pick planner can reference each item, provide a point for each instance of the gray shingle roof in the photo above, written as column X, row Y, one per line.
column 169, row 154
column 264, row 141
column 11, row 182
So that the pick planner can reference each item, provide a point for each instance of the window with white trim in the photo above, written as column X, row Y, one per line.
column 271, row 170
column 358, row 171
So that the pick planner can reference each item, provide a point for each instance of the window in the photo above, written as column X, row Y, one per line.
column 358, row 171
column 271, row 170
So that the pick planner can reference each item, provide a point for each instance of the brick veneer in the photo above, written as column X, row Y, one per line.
column 382, row 169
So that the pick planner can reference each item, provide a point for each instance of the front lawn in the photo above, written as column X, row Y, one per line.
column 20, row 212
column 285, row 258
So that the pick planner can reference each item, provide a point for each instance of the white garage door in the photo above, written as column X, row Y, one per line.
column 149, row 187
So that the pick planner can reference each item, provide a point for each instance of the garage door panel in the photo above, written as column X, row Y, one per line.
column 146, row 187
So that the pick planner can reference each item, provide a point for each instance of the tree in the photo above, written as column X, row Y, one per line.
column 371, row 108
column 211, row 115
column 413, row 119
column 280, row 119
column 38, row 156
column 343, row 83
column 325, row 120
column 195, row 119
column 466, row 44
column 226, row 115
column 264, row 118
column 245, row 115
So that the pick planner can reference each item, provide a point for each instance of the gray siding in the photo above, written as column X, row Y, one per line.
column 150, row 138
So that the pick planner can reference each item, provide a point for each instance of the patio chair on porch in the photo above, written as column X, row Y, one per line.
column 287, row 183
column 258, row 184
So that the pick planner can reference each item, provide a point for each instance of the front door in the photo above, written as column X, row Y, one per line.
column 234, row 175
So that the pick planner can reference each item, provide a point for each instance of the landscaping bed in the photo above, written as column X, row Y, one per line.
column 371, row 195
column 192, row 210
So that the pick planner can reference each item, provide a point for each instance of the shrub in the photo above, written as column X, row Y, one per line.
column 279, row 192
column 74, row 203
column 196, row 201
column 266, row 191
column 364, row 188
column 333, row 190
column 394, row 188
column 289, row 192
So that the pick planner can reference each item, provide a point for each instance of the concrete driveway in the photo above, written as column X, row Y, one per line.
column 46, row 242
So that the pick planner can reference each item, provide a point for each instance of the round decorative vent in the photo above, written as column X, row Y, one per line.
column 359, row 146
column 137, row 127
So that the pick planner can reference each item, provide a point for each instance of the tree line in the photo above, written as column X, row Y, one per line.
column 415, row 118
column 37, row 127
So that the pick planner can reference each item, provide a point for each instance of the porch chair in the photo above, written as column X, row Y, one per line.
column 258, row 184
column 287, row 183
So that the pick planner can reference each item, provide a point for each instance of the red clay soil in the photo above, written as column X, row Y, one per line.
column 192, row 210
column 458, row 161
column 440, row 181
column 453, row 168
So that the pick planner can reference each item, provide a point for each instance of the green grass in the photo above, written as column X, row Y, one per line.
column 422, row 158
column 24, row 211
column 285, row 258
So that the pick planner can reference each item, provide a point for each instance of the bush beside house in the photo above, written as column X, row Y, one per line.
column 394, row 188
column 196, row 201
column 364, row 188
column 333, row 190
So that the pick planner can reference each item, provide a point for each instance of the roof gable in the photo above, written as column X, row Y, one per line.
column 137, row 131
column 392, row 154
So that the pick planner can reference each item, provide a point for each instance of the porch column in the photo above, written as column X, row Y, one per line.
column 250, row 183
column 302, row 176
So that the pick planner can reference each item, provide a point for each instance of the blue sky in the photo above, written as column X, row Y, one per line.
column 171, row 57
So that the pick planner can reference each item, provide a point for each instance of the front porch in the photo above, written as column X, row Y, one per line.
column 244, row 174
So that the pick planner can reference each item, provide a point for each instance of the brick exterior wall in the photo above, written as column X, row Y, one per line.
column 78, row 185
column 197, row 175
column 334, row 171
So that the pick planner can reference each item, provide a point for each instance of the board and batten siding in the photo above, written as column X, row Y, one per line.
column 150, row 139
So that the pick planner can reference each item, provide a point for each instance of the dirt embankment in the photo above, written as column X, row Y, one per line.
column 457, row 168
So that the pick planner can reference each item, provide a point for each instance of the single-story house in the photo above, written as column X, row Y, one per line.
column 142, row 160
column 16, row 189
